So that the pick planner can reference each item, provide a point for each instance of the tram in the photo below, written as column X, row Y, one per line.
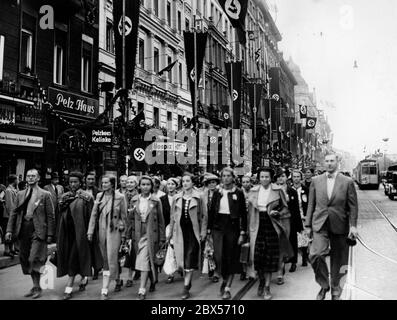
column 366, row 174
column 388, row 181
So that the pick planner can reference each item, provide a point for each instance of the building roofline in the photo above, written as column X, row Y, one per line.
column 268, row 18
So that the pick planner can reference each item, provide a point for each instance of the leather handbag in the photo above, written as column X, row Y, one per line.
column 244, row 253
column 159, row 257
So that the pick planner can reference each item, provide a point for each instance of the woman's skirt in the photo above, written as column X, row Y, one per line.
column 142, row 258
column 267, row 251
column 191, row 247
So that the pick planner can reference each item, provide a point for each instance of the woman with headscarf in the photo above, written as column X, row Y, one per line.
column 268, row 240
column 166, row 202
column 109, row 211
column 189, row 229
column 130, row 193
column 146, row 230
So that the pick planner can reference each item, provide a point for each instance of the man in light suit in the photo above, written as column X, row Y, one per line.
column 56, row 191
column 331, row 219
column 32, row 222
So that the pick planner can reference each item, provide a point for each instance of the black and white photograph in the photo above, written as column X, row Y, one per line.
column 226, row 151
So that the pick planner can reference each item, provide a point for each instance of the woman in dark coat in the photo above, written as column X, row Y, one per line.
column 73, row 248
column 227, row 221
column 145, row 227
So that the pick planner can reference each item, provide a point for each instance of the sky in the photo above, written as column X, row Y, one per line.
column 325, row 38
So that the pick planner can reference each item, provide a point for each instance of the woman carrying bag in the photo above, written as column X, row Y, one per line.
column 188, row 230
column 146, row 230
column 109, row 211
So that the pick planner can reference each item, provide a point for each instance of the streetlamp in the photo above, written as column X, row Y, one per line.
column 385, row 140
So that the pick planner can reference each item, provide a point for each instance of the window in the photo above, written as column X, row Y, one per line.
column 109, row 36
column 2, row 40
column 179, row 22
column 169, row 13
column 156, row 7
column 187, row 24
column 180, row 75
column 141, row 107
column 180, row 122
column 169, row 120
column 26, row 51
column 156, row 117
column 141, row 53
column 156, row 60
column 59, row 57
column 169, row 61
column 86, row 67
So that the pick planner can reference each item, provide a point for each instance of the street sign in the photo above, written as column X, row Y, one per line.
column 169, row 146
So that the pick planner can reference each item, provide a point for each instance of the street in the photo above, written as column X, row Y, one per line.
column 375, row 276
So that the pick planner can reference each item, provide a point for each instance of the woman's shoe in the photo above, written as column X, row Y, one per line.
column 227, row 295
column 280, row 281
column 215, row 279
column 170, row 279
column 293, row 267
column 119, row 284
column 152, row 287
column 141, row 296
column 129, row 283
column 261, row 289
column 104, row 296
column 186, row 293
column 222, row 290
column 243, row 276
column 83, row 285
column 267, row 295
column 67, row 296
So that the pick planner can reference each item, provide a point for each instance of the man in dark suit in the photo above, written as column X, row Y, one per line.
column 56, row 191
column 32, row 222
column 331, row 219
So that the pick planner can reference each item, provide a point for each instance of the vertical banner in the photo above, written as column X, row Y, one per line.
column 226, row 115
column 236, row 10
column 201, row 42
column 234, row 76
column 131, row 38
column 255, row 95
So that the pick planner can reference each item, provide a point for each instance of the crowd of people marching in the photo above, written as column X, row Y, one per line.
column 220, row 224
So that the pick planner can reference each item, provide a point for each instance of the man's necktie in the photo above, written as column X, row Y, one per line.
column 25, row 203
column 56, row 190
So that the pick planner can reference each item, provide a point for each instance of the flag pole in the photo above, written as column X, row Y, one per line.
column 124, row 99
column 195, row 68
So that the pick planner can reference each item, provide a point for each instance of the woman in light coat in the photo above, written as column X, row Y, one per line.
column 268, row 239
column 189, row 220
column 147, row 232
column 109, row 211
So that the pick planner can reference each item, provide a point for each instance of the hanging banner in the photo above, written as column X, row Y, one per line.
column 234, row 68
column 303, row 111
column 255, row 92
column 201, row 42
column 236, row 10
column 311, row 123
column 131, row 38
column 225, row 110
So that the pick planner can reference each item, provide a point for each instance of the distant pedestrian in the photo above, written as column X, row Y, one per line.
column 123, row 184
column 331, row 219
column 73, row 247
column 56, row 191
column 189, row 220
column 33, row 223
column 10, row 200
column 109, row 211
column 147, row 232
column 309, row 173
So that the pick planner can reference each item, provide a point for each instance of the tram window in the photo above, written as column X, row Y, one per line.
column 369, row 170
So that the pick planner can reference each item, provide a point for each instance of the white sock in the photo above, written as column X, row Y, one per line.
column 68, row 290
column 104, row 291
column 227, row 289
column 142, row 291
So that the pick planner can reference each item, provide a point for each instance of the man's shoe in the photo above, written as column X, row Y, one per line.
column 293, row 267
column 119, row 284
column 129, row 283
column 30, row 293
column 37, row 293
column 152, row 287
column 267, row 295
column 280, row 281
column 67, row 296
column 215, row 279
column 243, row 276
column 226, row 295
column 321, row 295
column 304, row 264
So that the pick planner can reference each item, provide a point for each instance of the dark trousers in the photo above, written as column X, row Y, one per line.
column 226, row 249
column 339, row 255
column 293, row 239
column 32, row 250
